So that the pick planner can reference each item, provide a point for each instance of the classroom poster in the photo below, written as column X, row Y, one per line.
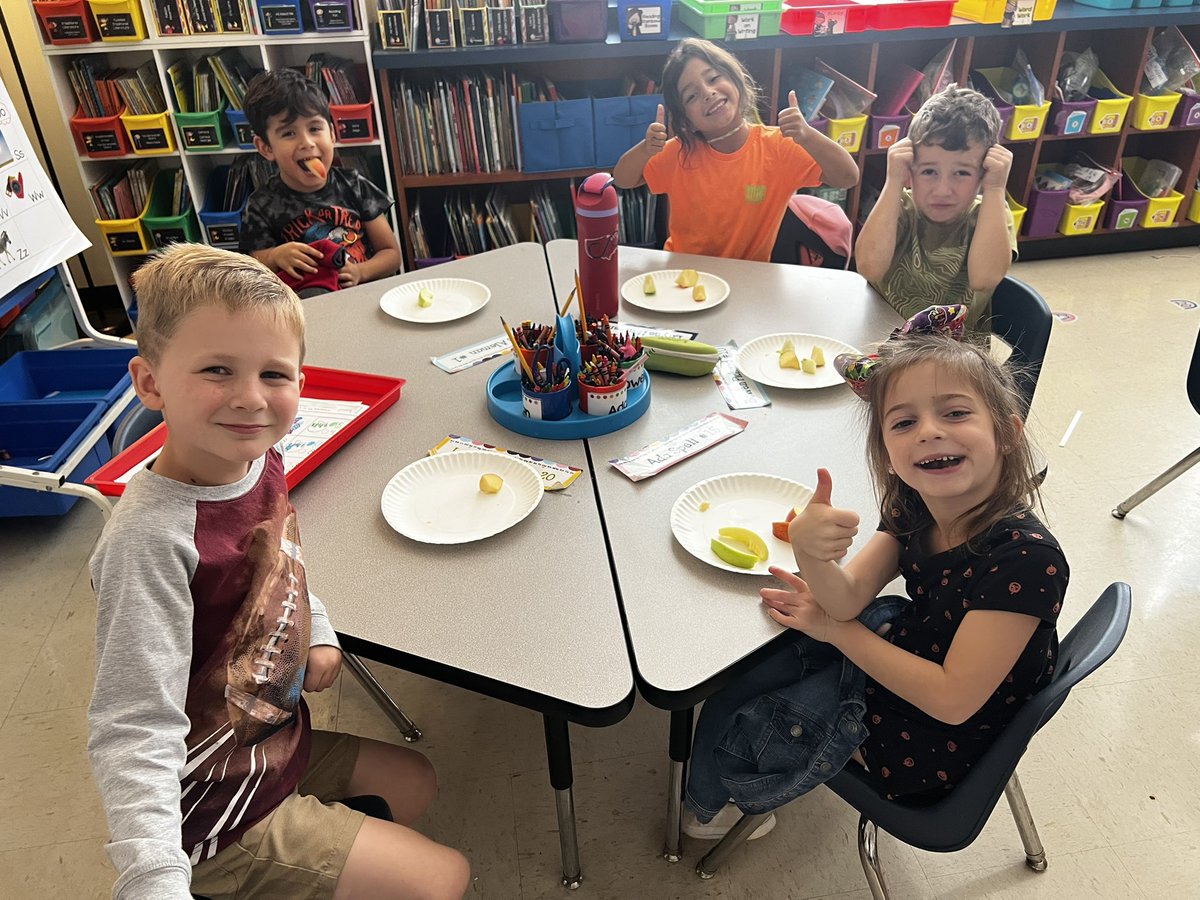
column 36, row 231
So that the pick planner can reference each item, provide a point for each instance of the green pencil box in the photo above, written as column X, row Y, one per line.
column 683, row 357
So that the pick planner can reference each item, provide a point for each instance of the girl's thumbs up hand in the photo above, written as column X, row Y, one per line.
column 823, row 532
column 791, row 120
column 656, row 132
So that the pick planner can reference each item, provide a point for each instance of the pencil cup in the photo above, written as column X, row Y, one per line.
column 603, row 400
column 634, row 369
column 549, row 406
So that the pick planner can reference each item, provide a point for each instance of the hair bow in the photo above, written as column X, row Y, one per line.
column 948, row 320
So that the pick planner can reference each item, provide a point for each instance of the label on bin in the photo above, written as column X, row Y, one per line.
column 503, row 26
column 66, row 28
column 149, row 139
column 101, row 142
column 474, row 27
column 741, row 27
column 245, row 134
column 354, row 129
column 280, row 18
column 164, row 236
column 125, row 242
column 391, row 27
column 116, row 25
column 222, row 235
column 332, row 16
column 641, row 21
column 201, row 136
column 534, row 29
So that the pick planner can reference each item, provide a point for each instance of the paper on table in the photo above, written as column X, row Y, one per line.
column 739, row 391
column 555, row 476
column 653, row 331
column 472, row 355
column 688, row 441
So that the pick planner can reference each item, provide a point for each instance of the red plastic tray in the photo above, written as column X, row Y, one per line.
column 889, row 15
column 800, row 16
column 377, row 391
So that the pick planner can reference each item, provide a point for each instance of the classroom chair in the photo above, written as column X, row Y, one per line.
column 139, row 421
column 814, row 232
column 1193, row 392
column 953, row 823
column 1022, row 319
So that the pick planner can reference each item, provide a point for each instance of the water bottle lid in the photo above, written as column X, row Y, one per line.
column 597, row 183
column 596, row 197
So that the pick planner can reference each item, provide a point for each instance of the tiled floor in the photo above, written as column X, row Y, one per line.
column 1113, row 781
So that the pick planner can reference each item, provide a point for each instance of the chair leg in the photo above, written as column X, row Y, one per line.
column 738, row 835
column 1035, row 854
column 868, row 855
column 1157, row 484
column 376, row 692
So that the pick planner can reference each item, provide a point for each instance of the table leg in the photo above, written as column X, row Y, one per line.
column 680, row 750
column 381, row 697
column 558, row 754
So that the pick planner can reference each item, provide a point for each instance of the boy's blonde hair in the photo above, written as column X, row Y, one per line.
column 721, row 60
column 184, row 277
column 954, row 118
column 969, row 364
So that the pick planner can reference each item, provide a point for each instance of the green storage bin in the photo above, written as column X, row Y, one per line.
column 731, row 21
column 204, row 132
column 164, row 228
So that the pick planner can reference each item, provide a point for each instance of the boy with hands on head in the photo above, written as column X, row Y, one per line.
column 941, row 231
column 210, row 773
column 311, row 215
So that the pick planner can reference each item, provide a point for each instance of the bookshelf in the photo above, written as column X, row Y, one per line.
column 201, row 147
column 1120, row 38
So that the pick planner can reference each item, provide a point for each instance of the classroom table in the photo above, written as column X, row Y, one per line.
column 488, row 616
column 693, row 627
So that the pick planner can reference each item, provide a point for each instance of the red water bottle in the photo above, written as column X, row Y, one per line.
column 597, row 221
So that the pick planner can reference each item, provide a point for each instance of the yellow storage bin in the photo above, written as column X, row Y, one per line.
column 1193, row 211
column 149, row 135
column 1161, row 211
column 1154, row 113
column 1080, row 218
column 991, row 12
column 1109, row 115
column 119, row 20
column 126, row 237
column 1027, row 121
column 848, row 133
column 1018, row 212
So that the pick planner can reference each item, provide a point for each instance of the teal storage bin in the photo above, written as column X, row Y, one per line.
column 620, row 122
column 558, row 135
column 96, row 376
column 1108, row 4
column 40, row 436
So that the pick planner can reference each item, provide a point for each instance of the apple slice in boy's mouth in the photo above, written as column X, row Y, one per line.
column 314, row 166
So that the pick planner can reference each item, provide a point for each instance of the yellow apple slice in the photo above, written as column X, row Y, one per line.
column 735, row 556
column 704, row 506
column 648, row 286
column 490, row 483
column 687, row 278
column 699, row 294
column 818, row 356
column 808, row 366
column 788, row 360
column 745, row 536
column 425, row 298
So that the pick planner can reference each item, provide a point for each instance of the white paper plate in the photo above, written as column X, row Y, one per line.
column 747, row 500
column 759, row 359
column 669, row 297
column 453, row 298
column 436, row 500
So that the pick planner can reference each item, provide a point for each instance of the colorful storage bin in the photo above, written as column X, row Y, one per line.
column 1153, row 113
column 222, row 228
column 578, row 21
column 243, row 134
column 126, row 237
column 101, row 137
column 165, row 229
column 557, row 135
column 204, row 132
column 887, row 130
column 66, row 376
column 353, row 123
column 1018, row 212
column 280, row 16
column 890, row 15
column 65, row 21
column 1193, row 211
column 1027, row 120
column 991, row 12
column 619, row 123
column 1111, row 105
column 1160, row 211
column 1070, row 116
column 731, row 21
column 644, row 20
column 149, row 135
column 1187, row 112
column 1080, row 218
column 40, row 436
column 1126, row 206
column 848, row 133
column 1045, row 210
column 332, row 15
column 821, row 17
column 119, row 20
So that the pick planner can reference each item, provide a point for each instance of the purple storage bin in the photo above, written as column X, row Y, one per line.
column 1124, row 215
column 820, row 123
column 1006, row 111
column 887, row 130
column 1187, row 110
column 429, row 261
column 1045, row 209
column 578, row 21
column 1070, row 116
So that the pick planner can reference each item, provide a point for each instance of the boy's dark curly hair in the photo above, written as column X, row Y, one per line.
column 283, row 91
column 954, row 118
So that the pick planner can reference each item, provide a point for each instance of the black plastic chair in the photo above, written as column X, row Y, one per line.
column 1022, row 319
column 954, row 823
column 1193, row 392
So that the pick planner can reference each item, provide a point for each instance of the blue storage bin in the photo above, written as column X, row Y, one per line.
column 558, row 135
column 40, row 436
column 242, row 132
column 620, row 122
column 100, row 375
column 644, row 20
column 280, row 16
column 222, row 228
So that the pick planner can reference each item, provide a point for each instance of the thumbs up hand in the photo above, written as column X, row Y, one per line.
column 791, row 121
column 656, row 132
column 823, row 532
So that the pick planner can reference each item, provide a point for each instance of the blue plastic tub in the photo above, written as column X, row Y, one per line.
column 41, row 436
column 100, row 375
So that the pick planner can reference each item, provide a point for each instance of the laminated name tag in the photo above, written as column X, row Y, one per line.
column 555, row 476
column 739, row 391
column 464, row 358
column 688, row 441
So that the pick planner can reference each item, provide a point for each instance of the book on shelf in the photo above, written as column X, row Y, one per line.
column 896, row 87
column 847, row 98
column 233, row 74
column 180, row 76
column 935, row 76
column 811, row 90
column 122, row 194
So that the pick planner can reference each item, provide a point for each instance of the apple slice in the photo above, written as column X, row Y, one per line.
column 780, row 529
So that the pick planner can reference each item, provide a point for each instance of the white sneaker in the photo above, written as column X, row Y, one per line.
column 721, row 823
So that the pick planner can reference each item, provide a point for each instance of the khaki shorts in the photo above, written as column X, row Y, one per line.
column 298, row 851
